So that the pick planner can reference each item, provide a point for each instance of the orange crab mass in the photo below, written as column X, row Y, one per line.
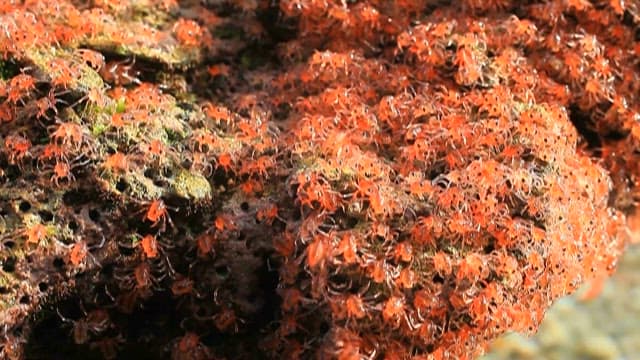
column 341, row 179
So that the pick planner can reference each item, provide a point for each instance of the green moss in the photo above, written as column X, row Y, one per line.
column 98, row 129
column 121, row 105
column 132, row 239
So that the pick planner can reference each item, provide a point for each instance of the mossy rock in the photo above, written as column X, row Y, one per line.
column 191, row 186
column 86, row 79
column 168, row 53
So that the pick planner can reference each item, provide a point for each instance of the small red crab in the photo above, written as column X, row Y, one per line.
column 158, row 214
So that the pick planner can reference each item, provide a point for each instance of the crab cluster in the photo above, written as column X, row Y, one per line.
column 372, row 179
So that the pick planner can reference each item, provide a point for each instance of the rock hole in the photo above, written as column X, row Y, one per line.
column 585, row 126
column 94, row 215
column 24, row 206
column 73, row 197
column 438, row 279
column 121, row 185
column 9, row 265
column 126, row 251
column 222, row 271
column 46, row 215
column 202, row 312
column 73, row 226
column 150, row 173
column 160, row 182
column 58, row 263
column 107, row 270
